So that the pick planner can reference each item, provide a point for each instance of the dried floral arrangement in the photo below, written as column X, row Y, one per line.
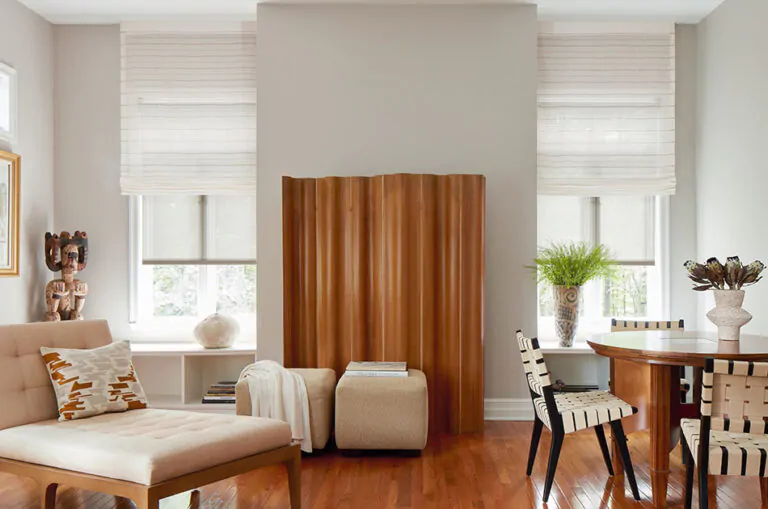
column 715, row 275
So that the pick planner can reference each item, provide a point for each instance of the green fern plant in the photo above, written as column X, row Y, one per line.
column 573, row 264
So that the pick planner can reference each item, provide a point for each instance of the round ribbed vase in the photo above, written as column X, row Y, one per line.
column 566, row 313
column 728, row 314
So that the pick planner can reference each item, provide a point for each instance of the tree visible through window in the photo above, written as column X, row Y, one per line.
column 236, row 292
column 174, row 288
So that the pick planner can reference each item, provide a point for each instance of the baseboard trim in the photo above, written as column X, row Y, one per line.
column 508, row 409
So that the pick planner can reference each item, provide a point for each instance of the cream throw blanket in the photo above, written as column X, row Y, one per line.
column 280, row 394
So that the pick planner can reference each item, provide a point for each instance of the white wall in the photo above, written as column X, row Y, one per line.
column 87, row 179
column 363, row 90
column 732, row 162
column 26, row 43
column 348, row 90
column 682, row 206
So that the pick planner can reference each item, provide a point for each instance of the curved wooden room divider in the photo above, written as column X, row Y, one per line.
column 390, row 268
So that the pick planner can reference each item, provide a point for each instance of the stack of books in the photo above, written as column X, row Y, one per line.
column 382, row 369
column 220, row 392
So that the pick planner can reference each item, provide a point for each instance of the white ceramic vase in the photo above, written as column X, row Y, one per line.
column 728, row 314
column 217, row 331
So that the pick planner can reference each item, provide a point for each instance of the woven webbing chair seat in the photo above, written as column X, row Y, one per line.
column 582, row 410
column 731, row 438
column 742, row 454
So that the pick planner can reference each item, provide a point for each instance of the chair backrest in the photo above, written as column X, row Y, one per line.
column 734, row 396
column 533, row 362
column 26, row 393
column 634, row 325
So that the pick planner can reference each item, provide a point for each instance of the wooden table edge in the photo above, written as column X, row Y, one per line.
column 670, row 358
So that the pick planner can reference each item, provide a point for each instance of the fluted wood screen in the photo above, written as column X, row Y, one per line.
column 390, row 268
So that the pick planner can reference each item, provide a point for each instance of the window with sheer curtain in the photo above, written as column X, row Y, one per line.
column 606, row 157
column 189, row 165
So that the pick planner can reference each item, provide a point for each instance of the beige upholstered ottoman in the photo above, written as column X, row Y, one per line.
column 382, row 412
column 320, row 385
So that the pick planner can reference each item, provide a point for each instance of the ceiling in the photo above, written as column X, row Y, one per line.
column 115, row 11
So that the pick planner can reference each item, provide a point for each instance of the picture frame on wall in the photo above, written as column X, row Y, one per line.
column 8, row 103
column 10, row 196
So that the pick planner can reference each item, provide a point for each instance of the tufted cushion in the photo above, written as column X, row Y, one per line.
column 94, row 381
column 26, row 395
column 143, row 446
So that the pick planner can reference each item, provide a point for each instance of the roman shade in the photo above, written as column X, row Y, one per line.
column 188, row 109
column 606, row 108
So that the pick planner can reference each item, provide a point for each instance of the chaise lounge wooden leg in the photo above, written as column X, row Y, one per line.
column 293, row 466
column 48, row 496
column 764, row 491
column 122, row 503
column 147, row 501
column 194, row 499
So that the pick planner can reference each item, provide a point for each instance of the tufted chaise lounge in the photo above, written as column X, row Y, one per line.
column 143, row 455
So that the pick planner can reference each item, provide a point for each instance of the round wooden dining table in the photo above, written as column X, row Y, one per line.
column 645, row 372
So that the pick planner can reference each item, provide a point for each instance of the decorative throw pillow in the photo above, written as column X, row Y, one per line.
column 93, row 382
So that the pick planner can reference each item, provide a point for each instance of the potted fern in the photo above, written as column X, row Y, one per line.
column 567, row 267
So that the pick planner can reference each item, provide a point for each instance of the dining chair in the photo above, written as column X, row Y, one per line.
column 731, row 438
column 568, row 412
column 646, row 325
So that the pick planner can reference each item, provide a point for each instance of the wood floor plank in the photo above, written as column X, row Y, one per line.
column 477, row 471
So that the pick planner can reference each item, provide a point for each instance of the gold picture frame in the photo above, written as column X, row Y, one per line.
column 10, row 195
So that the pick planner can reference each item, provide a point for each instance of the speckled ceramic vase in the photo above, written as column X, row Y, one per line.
column 728, row 314
column 566, row 313
column 217, row 331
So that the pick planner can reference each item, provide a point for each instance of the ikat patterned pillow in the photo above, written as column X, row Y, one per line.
column 94, row 382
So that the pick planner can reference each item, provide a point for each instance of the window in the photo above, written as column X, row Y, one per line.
column 197, row 256
column 606, row 153
column 189, row 164
column 629, row 227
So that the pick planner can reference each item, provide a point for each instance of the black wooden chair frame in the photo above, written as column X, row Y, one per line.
column 558, row 435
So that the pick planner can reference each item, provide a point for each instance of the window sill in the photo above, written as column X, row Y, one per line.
column 180, row 338
column 553, row 347
column 550, row 344
column 165, row 349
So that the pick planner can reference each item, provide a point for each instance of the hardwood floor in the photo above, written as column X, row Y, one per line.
column 472, row 471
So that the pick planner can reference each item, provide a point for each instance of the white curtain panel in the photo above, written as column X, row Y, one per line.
column 606, row 108
column 188, row 109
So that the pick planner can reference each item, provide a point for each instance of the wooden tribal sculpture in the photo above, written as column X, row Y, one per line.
column 65, row 297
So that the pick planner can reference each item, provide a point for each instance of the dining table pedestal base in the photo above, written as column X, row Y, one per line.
column 661, row 424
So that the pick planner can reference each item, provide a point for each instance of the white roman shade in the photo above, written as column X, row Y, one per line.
column 188, row 109
column 606, row 108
